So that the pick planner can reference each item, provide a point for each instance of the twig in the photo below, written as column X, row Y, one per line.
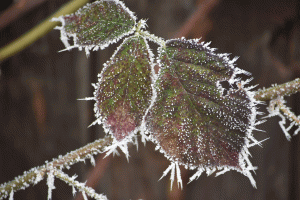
column 39, row 31
column 80, row 186
column 35, row 175
column 198, row 16
column 285, row 89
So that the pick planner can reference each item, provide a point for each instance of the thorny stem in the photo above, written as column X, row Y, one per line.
column 36, row 174
column 39, row 31
column 284, row 89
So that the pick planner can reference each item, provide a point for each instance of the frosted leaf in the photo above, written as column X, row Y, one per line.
column 123, row 93
column 194, row 120
column 97, row 25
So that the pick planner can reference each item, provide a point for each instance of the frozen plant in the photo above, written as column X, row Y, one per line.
column 181, row 106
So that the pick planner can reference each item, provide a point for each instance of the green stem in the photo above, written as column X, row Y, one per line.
column 39, row 31
column 285, row 89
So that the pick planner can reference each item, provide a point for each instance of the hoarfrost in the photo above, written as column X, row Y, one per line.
column 84, row 195
column 277, row 107
column 112, row 149
column 38, row 178
column 11, row 195
column 92, row 159
column 73, row 191
column 50, row 182
column 80, row 186
column 174, row 168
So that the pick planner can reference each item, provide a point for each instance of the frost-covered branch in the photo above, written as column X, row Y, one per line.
column 273, row 92
column 277, row 107
column 80, row 186
column 37, row 174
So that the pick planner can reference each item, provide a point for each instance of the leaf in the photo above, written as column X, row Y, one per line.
column 193, row 122
column 124, row 92
column 97, row 25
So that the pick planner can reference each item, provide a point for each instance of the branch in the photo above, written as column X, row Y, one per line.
column 39, row 31
column 284, row 89
column 37, row 174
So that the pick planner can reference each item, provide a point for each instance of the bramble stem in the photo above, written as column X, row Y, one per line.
column 273, row 92
column 35, row 175
column 39, row 31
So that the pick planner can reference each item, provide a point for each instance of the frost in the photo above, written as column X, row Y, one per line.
column 277, row 107
column 84, row 195
column 50, row 182
column 80, row 186
column 11, row 195
column 92, row 159
column 112, row 149
column 174, row 168
column 38, row 178
column 73, row 191
column 197, row 174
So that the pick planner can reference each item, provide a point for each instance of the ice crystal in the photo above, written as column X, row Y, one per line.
column 73, row 191
column 174, row 168
column 11, row 195
column 50, row 183
column 191, row 121
column 97, row 25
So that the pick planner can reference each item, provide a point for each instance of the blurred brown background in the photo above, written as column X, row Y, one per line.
column 40, row 117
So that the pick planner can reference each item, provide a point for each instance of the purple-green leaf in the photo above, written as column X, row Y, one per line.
column 97, row 24
column 195, row 121
column 124, row 92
